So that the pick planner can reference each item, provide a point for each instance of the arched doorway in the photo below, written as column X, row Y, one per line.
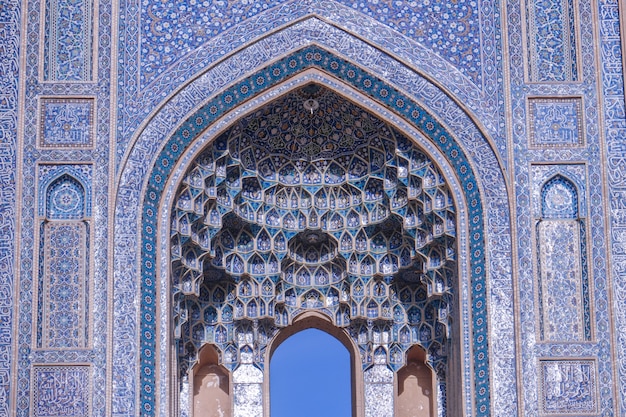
column 312, row 203
column 301, row 360
column 470, row 166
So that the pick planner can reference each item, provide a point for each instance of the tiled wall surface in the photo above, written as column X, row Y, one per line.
column 525, row 122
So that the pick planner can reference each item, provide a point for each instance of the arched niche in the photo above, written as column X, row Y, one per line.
column 210, row 389
column 563, row 293
column 316, row 320
column 416, row 384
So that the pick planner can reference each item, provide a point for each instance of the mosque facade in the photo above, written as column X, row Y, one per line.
column 438, row 185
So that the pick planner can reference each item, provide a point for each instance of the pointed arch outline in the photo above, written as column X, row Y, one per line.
column 477, row 364
column 279, row 72
column 73, row 174
column 317, row 320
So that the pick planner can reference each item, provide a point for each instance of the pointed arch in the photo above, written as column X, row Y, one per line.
column 458, row 168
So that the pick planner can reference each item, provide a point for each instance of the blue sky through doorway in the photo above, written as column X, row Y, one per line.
column 310, row 377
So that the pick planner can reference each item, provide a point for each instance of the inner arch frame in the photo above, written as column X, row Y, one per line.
column 317, row 320
column 451, row 155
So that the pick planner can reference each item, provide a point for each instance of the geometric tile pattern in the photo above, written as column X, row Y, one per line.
column 64, row 309
column 65, row 199
column 552, row 50
column 568, row 387
column 609, row 55
column 613, row 102
column 372, row 86
column 560, row 288
column 68, row 40
column 66, row 122
column 563, row 287
column 555, row 122
column 61, row 391
column 322, row 208
column 64, row 191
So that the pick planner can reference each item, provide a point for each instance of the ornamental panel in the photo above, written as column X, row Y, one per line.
column 66, row 123
column 568, row 387
column 551, row 41
column 563, row 288
column 68, row 40
column 61, row 391
column 556, row 122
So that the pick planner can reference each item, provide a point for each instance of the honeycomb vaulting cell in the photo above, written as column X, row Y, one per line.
column 312, row 203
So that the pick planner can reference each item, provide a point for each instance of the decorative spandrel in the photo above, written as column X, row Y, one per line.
column 312, row 203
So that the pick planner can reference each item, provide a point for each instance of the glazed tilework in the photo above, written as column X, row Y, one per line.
column 373, row 38
column 568, row 387
column 67, row 50
column 66, row 122
column 61, row 391
column 86, row 73
column 501, row 280
column 65, row 283
column 555, row 122
column 306, row 229
column 296, row 33
column 590, row 185
column 263, row 79
column 552, row 45
column 10, row 22
column 65, row 190
column 614, row 131
column 170, row 30
column 379, row 390
column 560, row 281
column 574, row 173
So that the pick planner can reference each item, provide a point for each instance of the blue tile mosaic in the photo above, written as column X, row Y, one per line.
column 65, row 191
column 170, row 30
column 64, row 286
column 207, row 84
column 300, row 226
column 10, row 23
column 614, row 131
column 311, row 57
column 67, row 50
column 338, row 36
column 553, row 159
column 552, row 44
column 84, row 67
column 555, row 122
column 557, row 109
column 66, row 122
column 61, row 391
column 568, row 387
